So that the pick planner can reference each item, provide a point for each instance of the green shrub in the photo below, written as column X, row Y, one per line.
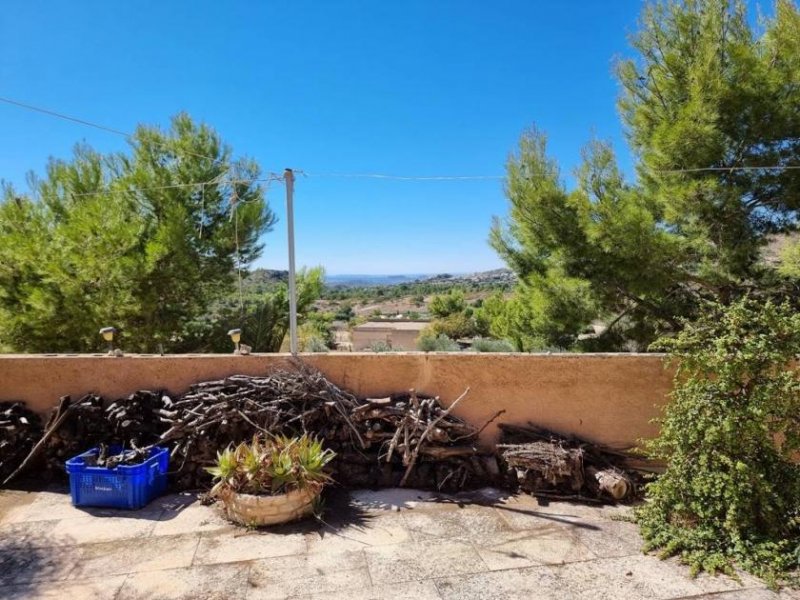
column 314, row 344
column 428, row 342
column 381, row 346
column 455, row 326
column 731, row 492
column 490, row 345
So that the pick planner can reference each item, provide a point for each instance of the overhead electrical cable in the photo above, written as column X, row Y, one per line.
column 65, row 117
column 386, row 176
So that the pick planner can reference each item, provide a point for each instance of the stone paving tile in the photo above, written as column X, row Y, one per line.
column 410, row 590
column 209, row 582
column 421, row 560
column 390, row 544
column 793, row 594
column 227, row 546
column 609, row 539
column 523, row 512
column 753, row 594
column 474, row 524
column 718, row 583
column 308, row 574
column 549, row 545
column 134, row 556
column 33, row 534
column 88, row 530
column 630, row 577
column 103, row 588
column 395, row 499
column 191, row 518
column 21, row 563
column 537, row 583
column 380, row 530
column 48, row 506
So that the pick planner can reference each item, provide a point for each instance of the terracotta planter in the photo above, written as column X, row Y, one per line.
column 256, row 511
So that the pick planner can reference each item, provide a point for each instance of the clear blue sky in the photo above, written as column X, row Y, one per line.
column 412, row 87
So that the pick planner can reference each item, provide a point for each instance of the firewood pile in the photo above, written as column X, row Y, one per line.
column 213, row 414
column 417, row 443
column 73, row 427
column 137, row 418
column 406, row 439
column 20, row 429
column 109, row 459
column 545, row 463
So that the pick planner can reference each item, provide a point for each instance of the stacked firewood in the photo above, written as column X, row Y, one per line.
column 20, row 429
column 214, row 414
column 545, row 463
column 416, row 442
column 111, row 458
column 74, row 427
column 137, row 418
column 71, row 428
column 403, row 440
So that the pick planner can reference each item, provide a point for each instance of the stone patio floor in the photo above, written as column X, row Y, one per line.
column 388, row 544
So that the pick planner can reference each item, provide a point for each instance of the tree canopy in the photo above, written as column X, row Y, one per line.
column 127, row 239
column 263, row 317
column 710, row 109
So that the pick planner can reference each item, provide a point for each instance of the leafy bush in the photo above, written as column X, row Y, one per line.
column 731, row 490
column 444, row 305
column 269, row 466
column 313, row 344
column 490, row 345
column 381, row 346
column 456, row 326
column 429, row 342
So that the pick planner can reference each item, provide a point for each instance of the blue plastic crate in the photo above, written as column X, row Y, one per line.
column 125, row 486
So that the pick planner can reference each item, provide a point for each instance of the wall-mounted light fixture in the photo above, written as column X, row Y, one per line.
column 108, row 334
column 236, row 337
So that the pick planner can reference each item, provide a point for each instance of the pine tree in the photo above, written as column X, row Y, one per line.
column 121, row 239
column 710, row 109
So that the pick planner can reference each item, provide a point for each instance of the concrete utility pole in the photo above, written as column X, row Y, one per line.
column 288, row 177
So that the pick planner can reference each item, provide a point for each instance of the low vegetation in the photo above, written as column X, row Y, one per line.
column 730, row 438
column 490, row 345
column 428, row 341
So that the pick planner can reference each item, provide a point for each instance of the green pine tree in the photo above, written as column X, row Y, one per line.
column 121, row 240
column 710, row 108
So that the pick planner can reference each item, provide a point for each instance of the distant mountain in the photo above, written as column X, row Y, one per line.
column 369, row 280
column 498, row 276
column 267, row 276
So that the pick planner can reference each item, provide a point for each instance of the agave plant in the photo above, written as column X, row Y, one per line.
column 271, row 465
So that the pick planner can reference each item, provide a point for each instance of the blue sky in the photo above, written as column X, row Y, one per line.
column 411, row 88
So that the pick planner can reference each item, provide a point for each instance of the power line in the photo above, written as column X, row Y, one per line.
column 58, row 115
column 272, row 177
column 729, row 169
column 215, row 181
column 407, row 177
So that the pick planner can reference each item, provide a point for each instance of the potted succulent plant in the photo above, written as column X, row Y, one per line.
column 271, row 480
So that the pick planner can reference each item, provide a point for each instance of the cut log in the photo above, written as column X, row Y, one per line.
column 609, row 482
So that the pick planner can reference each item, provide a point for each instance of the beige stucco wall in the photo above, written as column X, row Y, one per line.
column 607, row 398
column 362, row 340
column 402, row 339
